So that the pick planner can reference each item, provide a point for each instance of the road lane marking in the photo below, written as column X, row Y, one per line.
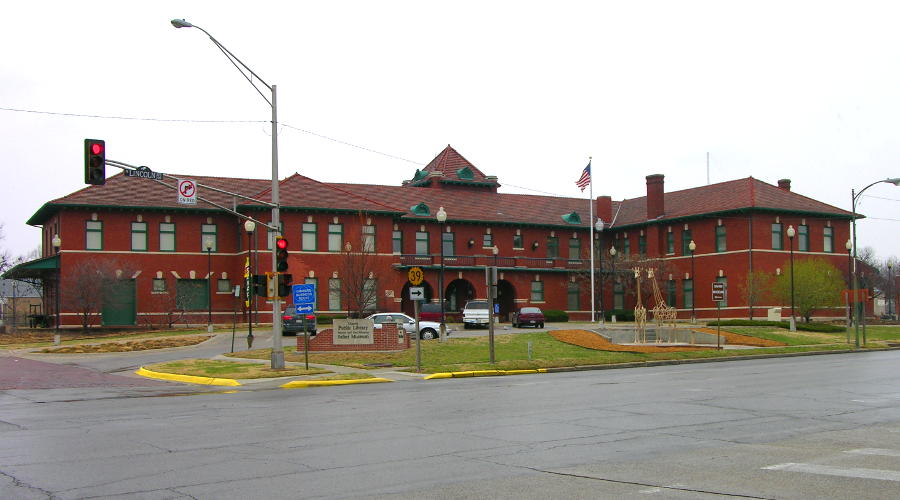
column 825, row 470
column 875, row 451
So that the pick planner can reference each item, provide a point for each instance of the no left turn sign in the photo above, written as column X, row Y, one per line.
column 187, row 192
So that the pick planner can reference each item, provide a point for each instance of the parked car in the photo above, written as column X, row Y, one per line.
column 427, row 329
column 528, row 316
column 293, row 323
column 430, row 311
column 475, row 314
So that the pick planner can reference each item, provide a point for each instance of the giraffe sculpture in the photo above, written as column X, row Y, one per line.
column 640, row 312
column 663, row 313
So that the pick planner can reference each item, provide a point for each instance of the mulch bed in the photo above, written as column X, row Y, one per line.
column 129, row 345
column 591, row 340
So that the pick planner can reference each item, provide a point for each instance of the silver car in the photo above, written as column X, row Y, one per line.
column 427, row 329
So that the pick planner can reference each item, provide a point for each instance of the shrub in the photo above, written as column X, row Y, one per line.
column 555, row 316
column 326, row 320
column 621, row 315
column 806, row 327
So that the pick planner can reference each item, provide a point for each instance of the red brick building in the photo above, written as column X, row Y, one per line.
column 135, row 229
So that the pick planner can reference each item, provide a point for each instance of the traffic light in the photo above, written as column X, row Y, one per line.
column 271, row 285
column 259, row 285
column 94, row 161
column 281, row 254
column 284, row 284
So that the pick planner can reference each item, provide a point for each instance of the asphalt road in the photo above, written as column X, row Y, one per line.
column 809, row 427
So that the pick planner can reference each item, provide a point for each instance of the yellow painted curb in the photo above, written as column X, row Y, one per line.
column 187, row 378
column 302, row 384
column 483, row 373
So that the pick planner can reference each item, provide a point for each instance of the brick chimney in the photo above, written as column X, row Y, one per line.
column 655, row 196
column 784, row 184
column 603, row 209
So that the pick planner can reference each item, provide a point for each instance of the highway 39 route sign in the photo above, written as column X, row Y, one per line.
column 416, row 276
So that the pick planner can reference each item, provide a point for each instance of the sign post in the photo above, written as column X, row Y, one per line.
column 304, row 304
column 718, row 295
column 416, row 294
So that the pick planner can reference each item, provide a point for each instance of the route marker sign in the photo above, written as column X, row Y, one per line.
column 416, row 276
column 417, row 293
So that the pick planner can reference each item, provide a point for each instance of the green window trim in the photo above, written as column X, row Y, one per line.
column 397, row 241
column 448, row 244
column 671, row 293
column 552, row 247
column 309, row 238
column 721, row 241
column 777, row 237
column 572, row 218
column 803, row 238
column 670, row 243
column 574, row 249
column 537, row 291
column 209, row 231
column 465, row 174
column 642, row 244
column 687, row 287
column 487, row 240
column 423, row 245
column 626, row 247
column 335, row 237
column 368, row 239
column 223, row 285
column 160, row 285
column 138, row 233
column 686, row 242
column 93, row 228
column 334, row 294
column 518, row 242
column 166, row 236
column 573, row 297
column 420, row 209
column 828, row 239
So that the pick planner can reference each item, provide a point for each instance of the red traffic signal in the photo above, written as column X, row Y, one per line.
column 94, row 161
column 281, row 254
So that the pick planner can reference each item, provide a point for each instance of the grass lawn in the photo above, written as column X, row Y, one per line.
column 511, row 352
column 879, row 333
column 228, row 369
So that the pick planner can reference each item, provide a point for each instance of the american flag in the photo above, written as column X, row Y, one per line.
column 585, row 178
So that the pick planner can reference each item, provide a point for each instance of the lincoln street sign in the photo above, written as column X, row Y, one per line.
column 144, row 173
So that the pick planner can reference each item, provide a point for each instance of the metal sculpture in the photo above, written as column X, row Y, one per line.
column 640, row 313
column 662, row 313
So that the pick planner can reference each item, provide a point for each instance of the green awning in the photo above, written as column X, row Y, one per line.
column 33, row 269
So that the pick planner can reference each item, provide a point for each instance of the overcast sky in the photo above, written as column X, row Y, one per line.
column 526, row 91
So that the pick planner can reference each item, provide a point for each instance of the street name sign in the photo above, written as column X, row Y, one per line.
column 144, row 173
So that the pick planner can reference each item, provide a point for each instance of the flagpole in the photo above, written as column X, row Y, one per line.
column 591, row 224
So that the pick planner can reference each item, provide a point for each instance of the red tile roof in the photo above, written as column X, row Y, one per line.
column 476, row 205
column 447, row 166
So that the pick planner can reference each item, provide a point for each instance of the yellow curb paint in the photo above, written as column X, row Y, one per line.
column 483, row 373
column 302, row 384
column 187, row 378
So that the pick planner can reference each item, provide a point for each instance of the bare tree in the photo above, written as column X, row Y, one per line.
column 756, row 288
column 359, row 270
column 85, row 287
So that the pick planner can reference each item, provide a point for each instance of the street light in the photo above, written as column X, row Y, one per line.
column 599, row 225
column 250, row 227
column 612, row 259
column 853, row 197
column 441, row 217
column 890, row 291
column 57, row 244
column 791, row 232
column 209, row 245
column 277, row 350
column 693, row 246
column 851, row 301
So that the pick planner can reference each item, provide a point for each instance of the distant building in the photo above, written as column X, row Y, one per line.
column 156, row 247
column 18, row 301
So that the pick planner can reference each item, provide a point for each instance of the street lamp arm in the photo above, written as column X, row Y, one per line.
column 238, row 64
column 895, row 181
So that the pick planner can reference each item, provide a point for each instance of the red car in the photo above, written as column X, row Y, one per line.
column 528, row 316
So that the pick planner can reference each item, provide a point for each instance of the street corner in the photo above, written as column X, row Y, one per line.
column 484, row 373
column 189, row 379
column 304, row 384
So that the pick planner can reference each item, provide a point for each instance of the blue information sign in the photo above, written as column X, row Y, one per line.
column 304, row 298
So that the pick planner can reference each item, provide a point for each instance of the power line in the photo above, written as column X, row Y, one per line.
column 345, row 143
column 879, row 197
column 132, row 118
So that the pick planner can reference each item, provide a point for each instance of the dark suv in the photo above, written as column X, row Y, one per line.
column 293, row 323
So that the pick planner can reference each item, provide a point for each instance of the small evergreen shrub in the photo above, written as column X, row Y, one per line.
column 554, row 316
